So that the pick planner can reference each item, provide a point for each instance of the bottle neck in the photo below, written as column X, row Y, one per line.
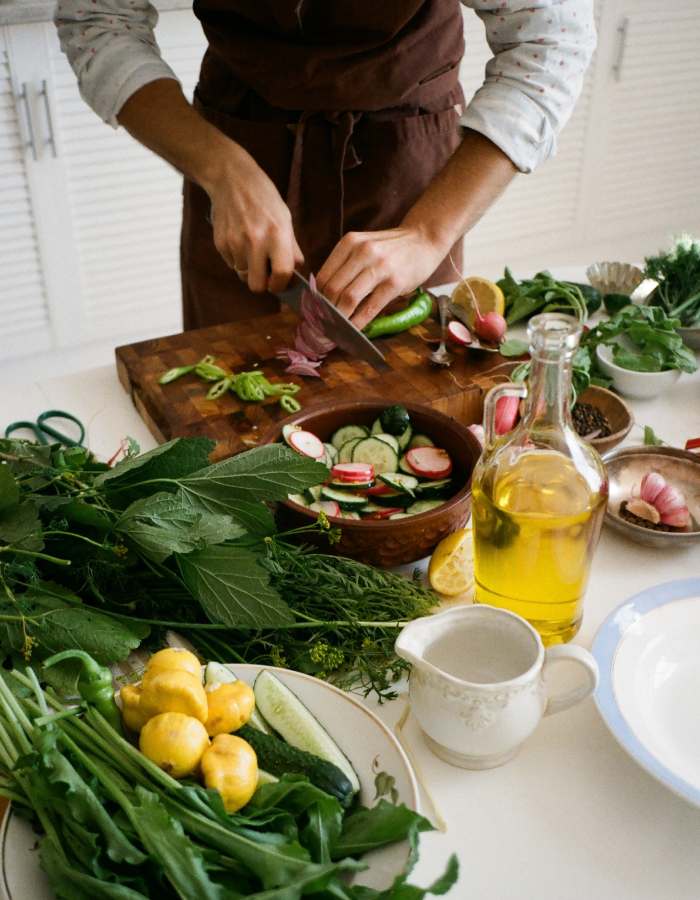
column 549, row 389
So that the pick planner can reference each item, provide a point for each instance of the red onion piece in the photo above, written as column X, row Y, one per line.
column 651, row 487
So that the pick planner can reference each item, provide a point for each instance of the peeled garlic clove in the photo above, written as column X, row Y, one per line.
column 644, row 510
column 651, row 487
column 679, row 517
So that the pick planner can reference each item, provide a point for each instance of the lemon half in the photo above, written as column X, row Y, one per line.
column 488, row 296
column 451, row 570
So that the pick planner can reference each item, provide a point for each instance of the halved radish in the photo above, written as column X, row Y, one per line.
column 329, row 507
column 459, row 334
column 307, row 444
column 429, row 462
column 361, row 473
column 379, row 489
column 385, row 513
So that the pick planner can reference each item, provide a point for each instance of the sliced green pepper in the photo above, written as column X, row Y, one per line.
column 94, row 684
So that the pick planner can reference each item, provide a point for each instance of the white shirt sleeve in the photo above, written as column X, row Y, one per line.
column 542, row 49
column 112, row 48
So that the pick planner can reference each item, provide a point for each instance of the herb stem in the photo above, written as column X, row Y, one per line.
column 36, row 555
column 78, row 537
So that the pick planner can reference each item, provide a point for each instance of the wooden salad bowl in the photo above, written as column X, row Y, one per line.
column 388, row 543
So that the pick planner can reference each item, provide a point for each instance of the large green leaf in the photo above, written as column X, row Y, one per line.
column 9, row 489
column 233, row 588
column 69, row 883
column 174, row 459
column 264, row 473
column 20, row 527
column 163, row 523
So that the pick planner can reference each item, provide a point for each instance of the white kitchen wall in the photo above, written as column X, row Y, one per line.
column 89, row 220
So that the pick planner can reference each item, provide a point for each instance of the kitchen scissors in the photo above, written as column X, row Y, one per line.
column 44, row 433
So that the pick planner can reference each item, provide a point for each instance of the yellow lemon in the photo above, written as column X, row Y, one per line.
column 488, row 295
column 451, row 566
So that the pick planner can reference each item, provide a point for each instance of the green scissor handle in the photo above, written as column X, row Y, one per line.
column 41, row 429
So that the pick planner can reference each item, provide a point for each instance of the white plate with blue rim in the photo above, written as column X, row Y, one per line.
column 368, row 743
column 648, row 652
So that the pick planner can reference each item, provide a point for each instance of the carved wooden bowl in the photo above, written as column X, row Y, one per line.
column 393, row 542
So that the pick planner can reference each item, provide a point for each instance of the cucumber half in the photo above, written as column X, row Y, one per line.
column 345, row 452
column 399, row 481
column 295, row 723
column 420, row 440
column 377, row 452
column 347, row 433
column 433, row 490
column 215, row 671
column 288, row 430
column 344, row 499
column 390, row 440
column 422, row 506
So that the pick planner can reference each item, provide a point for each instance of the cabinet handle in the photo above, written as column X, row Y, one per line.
column 23, row 97
column 621, row 46
column 51, row 140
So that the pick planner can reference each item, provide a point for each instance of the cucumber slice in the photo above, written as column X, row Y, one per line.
column 370, row 508
column 433, row 490
column 287, row 430
column 313, row 494
column 347, row 514
column 405, row 466
column 350, row 485
column 422, row 506
column 399, row 481
column 403, row 515
column 376, row 427
column 292, row 720
column 297, row 498
column 420, row 440
column 347, row 433
column 377, row 452
column 345, row 452
column 215, row 671
column 405, row 438
column 344, row 499
column 399, row 498
column 331, row 454
column 390, row 440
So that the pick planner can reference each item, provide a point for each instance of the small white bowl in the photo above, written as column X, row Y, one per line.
column 641, row 385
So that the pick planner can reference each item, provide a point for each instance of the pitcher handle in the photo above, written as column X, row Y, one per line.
column 492, row 398
column 581, row 657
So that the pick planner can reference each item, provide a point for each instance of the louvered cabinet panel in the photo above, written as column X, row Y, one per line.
column 649, row 180
column 24, row 316
column 541, row 206
column 125, row 203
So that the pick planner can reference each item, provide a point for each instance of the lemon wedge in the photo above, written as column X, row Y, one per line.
column 451, row 570
column 488, row 296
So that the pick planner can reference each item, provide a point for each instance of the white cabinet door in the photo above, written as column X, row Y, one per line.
column 125, row 203
column 648, row 120
column 24, row 314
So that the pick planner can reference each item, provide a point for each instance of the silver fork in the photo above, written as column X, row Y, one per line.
column 441, row 356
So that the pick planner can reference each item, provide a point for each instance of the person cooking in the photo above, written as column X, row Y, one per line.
column 331, row 134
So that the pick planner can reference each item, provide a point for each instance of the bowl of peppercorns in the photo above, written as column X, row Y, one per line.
column 602, row 418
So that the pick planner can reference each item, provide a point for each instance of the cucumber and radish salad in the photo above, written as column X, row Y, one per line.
column 386, row 471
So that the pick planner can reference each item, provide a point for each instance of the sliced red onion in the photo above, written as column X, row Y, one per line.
column 303, row 368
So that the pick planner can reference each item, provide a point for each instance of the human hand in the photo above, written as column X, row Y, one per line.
column 368, row 269
column 252, row 224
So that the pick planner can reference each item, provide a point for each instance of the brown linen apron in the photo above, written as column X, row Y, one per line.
column 350, row 107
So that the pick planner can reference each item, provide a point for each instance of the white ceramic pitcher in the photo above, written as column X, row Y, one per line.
column 477, row 687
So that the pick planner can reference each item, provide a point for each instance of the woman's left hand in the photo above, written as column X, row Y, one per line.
column 368, row 269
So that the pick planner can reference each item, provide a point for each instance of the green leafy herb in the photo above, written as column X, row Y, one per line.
column 677, row 272
column 544, row 293
column 513, row 347
column 650, row 438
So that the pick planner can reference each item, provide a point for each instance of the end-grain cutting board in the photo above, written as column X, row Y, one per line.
column 181, row 409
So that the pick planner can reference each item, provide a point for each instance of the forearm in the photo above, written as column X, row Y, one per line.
column 160, row 117
column 476, row 175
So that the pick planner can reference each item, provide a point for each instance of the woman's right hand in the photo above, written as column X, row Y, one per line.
column 252, row 224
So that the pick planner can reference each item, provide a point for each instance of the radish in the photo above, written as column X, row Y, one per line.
column 307, row 444
column 507, row 414
column 329, row 507
column 379, row 489
column 384, row 513
column 459, row 334
column 429, row 462
column 362, row 473
column 490, row 327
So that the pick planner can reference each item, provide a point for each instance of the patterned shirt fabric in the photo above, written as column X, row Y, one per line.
column 541, row 49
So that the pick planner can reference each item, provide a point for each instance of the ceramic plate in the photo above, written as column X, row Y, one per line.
column 648, row 651
column 368, row 743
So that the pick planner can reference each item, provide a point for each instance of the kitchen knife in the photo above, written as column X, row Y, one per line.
column 335, row 325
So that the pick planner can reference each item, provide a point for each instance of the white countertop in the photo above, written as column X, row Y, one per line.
column 572, row 816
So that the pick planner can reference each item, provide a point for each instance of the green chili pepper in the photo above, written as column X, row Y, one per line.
column 416, row 312
column 94, row 684
column 209, row 372
column 219, row 388
column 289, row 404
column 173, row 374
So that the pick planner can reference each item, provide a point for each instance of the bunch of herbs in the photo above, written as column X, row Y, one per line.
column 677, row 272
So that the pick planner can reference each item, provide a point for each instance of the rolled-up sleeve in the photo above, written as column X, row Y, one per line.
column 542, row 49
column 112, row 49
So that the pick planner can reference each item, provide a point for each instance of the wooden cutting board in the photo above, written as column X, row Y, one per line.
column 181, row 409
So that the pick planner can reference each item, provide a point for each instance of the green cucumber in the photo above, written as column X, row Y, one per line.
column 331, row 454
column 349, row 485
column 404, row 439
column 344, row 499
column 347, row 433
column 390, row 440
column 215, row 671
column 405, row 466
column 295, row 723
column 422, row 506
column 345, row 452
column 402, row 515
column 349, row 514
column 312, row 494
column 399, row 481
column 420, row 440
column 434, row 490
column 289, row 429
column 395, row 419
column 399, row 499
column 297, row 498
column 375, row 451
column 376, row 427
column 280, row 758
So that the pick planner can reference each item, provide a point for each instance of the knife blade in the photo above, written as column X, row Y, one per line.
column 335, row 325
